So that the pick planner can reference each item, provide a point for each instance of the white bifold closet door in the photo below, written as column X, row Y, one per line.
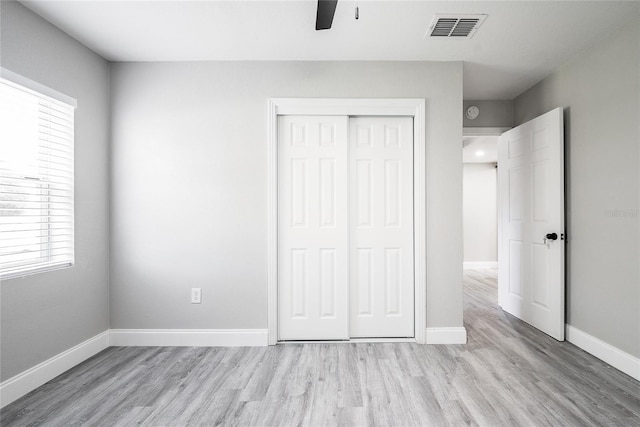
column 345, row 227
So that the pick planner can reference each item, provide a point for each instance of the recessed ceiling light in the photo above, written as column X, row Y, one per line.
column 479, row 153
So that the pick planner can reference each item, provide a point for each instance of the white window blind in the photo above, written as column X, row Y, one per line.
column 36, row 182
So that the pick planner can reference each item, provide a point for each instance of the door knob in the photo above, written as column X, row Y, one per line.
column 550, row 236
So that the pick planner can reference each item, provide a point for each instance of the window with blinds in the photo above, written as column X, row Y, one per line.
column 36, row 182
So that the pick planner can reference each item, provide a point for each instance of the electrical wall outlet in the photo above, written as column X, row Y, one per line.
column 196, row 295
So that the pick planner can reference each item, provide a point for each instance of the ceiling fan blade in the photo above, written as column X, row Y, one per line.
column 324, row 17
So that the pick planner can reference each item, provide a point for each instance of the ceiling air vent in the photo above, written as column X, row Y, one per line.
column 455, row 26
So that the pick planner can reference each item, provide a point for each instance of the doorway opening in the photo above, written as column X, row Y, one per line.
column 530, row 222
column 480, row 208
column 480, row 197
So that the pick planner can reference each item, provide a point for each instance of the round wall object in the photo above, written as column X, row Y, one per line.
column 472, row 112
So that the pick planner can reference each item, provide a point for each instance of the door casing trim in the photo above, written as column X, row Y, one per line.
column 409, row 107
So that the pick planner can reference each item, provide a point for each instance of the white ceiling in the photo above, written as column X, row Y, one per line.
column 520, row 42
column 480, row 149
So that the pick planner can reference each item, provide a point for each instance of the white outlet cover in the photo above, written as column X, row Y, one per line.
column 196, row 295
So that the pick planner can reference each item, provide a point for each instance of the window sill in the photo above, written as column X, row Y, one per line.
column 19, row 272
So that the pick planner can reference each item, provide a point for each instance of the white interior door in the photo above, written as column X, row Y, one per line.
column 312, row 228
column 531, row 223
column 381, row 226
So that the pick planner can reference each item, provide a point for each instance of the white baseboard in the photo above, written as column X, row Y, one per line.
column 479, row 265
column 456, row 335
column 189, row 337
column 615, row 357
column 21, row 384
column 32, row 378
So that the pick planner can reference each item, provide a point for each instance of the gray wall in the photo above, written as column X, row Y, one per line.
column 599, row 91
column 189, row 196
column 479, row 208
column 45, row 314
column 496, row 113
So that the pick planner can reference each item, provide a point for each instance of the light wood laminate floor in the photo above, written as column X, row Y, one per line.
column 508, row 374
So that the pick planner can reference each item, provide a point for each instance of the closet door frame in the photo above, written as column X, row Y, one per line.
column 407, row 107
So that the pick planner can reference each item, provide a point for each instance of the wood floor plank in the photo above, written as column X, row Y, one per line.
column 349, row 380
column 508, row 374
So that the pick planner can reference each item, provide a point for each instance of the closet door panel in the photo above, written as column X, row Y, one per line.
column 312, row 228
column 381, row 227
